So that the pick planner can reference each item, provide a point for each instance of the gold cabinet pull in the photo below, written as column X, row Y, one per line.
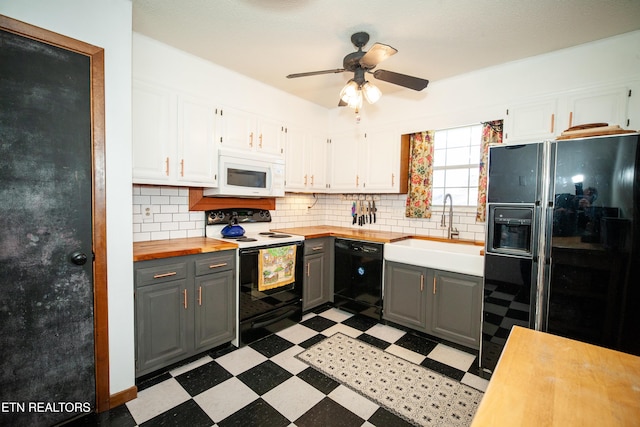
column 421, row 282
column 222, row 264
column 199, row 295
column 434, row 285
column 393, row 179
column 185, row 298
column 308, row 269
column 160, row 276
column 570, row 118
column 260, row 143
column 251, row 139
column 182, row 167
column 305, row 180
column 316, row 248
column 312, row 180
column 357, row 180
column 166, row 166
column 553, row 122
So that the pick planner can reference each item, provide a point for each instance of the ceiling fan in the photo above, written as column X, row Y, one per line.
column 362, row 62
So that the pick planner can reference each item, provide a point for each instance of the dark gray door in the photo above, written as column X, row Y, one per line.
column 47, row 365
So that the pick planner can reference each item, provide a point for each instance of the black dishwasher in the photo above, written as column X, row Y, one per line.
column 358, row 277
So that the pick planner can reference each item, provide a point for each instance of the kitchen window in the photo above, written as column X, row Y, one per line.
column 456, row 165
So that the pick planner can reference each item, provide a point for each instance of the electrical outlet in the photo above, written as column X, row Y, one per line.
column 147, row 213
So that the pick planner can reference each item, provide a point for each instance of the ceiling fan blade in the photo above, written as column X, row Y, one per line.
column 410, row 82
column 315, row 73
column 378, row 53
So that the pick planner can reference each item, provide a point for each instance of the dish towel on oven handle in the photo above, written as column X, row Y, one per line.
column 277, row 267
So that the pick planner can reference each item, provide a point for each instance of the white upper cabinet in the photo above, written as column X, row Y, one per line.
column 345, row 159
column 383, row 161
column 246, row 131
column 296, row 160
column 367, row 162
column 154, row 133
column 197, row 149
column 173, row 137
column 306, row 161
column 547, row 118
column 602, row 106
column 317, row 172
column 531, row 121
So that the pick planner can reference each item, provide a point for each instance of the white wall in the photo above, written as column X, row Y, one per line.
column 162, row 64
column 486, row 94
column 105, row 23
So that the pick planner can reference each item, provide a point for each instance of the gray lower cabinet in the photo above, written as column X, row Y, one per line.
column 440, row 303
column 317, row 272
column 456, row 307
column 184, row 305
column 404, row 299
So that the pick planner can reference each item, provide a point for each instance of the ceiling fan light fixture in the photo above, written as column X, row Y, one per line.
column 371, row 92
column 355, row 101
column 349, row 90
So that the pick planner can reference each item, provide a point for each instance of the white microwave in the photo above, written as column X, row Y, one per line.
column 248, row 175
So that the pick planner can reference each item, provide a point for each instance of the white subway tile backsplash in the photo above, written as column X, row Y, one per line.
column 166, row 209
column 150, row 190
column 160, row 235
column 141, row 200
column 171, row 218
column 160, row 200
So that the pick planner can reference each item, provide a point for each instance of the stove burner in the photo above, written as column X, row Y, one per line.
column 279, row 236
column 246, row 239
column 267, row 233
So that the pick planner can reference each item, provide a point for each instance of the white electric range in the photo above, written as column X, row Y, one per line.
column 261, row 310
column 255, row 222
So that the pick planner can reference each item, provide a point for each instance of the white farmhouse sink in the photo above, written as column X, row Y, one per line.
column 456, row 257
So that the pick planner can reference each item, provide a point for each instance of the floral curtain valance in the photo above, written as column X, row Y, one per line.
column 420, row 175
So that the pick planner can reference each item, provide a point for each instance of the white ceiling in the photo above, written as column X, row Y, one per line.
column 436, row 39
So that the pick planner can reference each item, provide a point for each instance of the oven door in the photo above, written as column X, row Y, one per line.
column 265, row 305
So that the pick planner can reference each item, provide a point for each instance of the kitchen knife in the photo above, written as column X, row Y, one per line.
column 361, row 213
column 370, row 211
column 374, row 211
column 353, row 212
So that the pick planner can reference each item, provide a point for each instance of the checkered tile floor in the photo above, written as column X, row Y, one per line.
column 263, row 384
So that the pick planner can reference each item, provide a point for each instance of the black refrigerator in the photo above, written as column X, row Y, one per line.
column 562, row 241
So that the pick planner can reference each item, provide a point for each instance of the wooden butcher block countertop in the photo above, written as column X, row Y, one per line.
column 155, row 249
column 546, row 380
column 345, row 232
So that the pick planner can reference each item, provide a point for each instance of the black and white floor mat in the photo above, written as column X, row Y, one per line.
column 411, row 391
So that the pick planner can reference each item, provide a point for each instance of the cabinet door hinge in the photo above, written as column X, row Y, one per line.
column 629, row 93
column 628, row 122
column 507, row 111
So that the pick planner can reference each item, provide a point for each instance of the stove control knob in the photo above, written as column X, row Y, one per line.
column 220, row 215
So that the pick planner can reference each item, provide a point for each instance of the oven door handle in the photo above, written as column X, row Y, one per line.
column 286, row 314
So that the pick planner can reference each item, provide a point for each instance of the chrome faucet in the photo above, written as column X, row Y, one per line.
column 451, row 232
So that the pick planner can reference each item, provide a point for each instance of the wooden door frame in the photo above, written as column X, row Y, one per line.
column 99, row 223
